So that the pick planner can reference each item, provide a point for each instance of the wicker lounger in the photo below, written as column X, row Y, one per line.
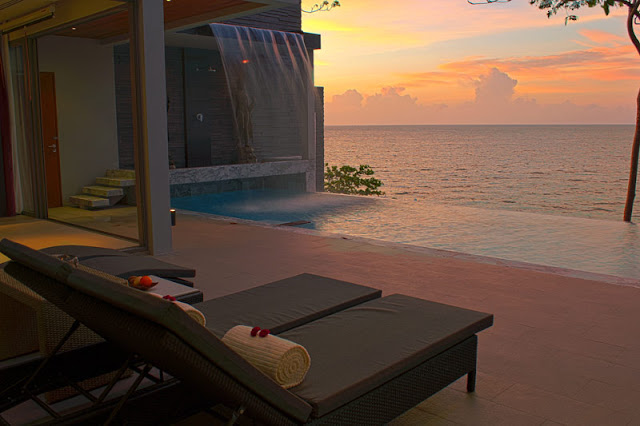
column 370, row 363
column 122, row 264
column 28, row 322
column 280, row 306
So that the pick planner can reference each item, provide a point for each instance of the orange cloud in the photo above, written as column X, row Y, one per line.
column 495, row 102
column 603, row 38
column 568, row 72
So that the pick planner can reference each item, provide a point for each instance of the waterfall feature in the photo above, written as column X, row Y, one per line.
column 270, row 85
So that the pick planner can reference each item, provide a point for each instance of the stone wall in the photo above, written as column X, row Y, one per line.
column 175, row 105
column 319, row 139
column 124, row 114
column 285, row 175
column 271, row 141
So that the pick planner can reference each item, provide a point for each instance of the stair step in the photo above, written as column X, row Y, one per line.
column 89, row 201
column 124, row 173
column 102, row 191
column 115, row 181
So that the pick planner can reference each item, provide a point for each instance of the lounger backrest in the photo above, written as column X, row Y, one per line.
column 158, row 331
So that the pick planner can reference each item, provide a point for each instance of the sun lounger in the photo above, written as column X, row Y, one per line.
column 122, row 264
column 369, row 363
column 30, row 324
column 279, row 305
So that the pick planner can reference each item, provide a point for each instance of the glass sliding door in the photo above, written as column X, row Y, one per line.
column 90, row 180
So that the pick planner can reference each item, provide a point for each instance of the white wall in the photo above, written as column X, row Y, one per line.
column 86, row 104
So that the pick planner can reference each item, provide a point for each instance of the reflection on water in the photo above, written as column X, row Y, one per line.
column 592, row 245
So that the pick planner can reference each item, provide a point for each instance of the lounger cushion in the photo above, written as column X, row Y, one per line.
column 125, row 266
column 284, row 304
column 83, row 252
column 359, row 349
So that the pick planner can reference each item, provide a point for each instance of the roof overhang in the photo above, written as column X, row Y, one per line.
column 109, row 18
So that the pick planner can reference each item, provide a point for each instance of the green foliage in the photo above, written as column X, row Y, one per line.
column 349, row 180
column 554, row 6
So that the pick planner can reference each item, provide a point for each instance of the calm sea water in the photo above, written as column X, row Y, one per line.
column 568, row 170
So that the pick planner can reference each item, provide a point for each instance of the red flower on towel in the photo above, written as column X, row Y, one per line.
column 257, row 331
column 169, row 297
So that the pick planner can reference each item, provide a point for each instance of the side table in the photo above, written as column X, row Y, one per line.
column 181, row 292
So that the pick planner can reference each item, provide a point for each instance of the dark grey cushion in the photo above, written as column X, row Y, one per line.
column 83, row 252
column 125, row 266
column 284, row 304
column 358, row 349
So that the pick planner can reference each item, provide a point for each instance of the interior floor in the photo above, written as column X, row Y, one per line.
column 118, row 220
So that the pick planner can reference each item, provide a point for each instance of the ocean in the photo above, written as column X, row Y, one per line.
column 561, row 170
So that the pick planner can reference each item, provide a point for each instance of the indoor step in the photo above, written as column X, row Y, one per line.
column 115, row 181
column 124, row 173
column 89, row 201
column 112, row 194
column 102, row 191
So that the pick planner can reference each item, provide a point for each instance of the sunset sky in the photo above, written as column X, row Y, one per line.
column 449, row 62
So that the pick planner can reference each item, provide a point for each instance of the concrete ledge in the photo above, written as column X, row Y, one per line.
column 237, row 171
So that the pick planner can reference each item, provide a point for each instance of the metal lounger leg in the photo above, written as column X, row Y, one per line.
column 471, row 381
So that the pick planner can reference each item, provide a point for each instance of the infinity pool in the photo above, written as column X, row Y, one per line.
column 582, row 244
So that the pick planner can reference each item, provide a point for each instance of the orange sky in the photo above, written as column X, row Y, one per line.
column 429, row 62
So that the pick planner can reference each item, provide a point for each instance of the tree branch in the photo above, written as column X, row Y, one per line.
column 633, row 13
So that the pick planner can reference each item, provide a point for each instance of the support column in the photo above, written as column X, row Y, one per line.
column 150, row 124
column 311, row 140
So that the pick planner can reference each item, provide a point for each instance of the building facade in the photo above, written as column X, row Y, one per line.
column 141, row 98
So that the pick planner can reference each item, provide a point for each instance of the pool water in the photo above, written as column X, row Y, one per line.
column 583, row 244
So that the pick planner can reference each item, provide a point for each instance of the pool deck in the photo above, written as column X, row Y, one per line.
column 562, row 350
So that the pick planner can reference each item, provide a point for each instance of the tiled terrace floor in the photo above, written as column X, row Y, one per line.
column 562, row 350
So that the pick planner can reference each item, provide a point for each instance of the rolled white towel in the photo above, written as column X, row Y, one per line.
column 195, row 314
column 192, row 312
column 284, row 361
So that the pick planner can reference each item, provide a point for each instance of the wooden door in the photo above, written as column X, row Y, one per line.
column 50, row 138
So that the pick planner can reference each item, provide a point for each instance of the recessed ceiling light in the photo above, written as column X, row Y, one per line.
column 73, row 28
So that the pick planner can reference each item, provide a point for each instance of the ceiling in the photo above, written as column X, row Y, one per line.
column 111, row 17
column 12, row 8
column 177, row 14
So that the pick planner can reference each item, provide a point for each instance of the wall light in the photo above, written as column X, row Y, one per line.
column 173, row 217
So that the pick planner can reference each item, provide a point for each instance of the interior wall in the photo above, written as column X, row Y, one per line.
column 86, row 108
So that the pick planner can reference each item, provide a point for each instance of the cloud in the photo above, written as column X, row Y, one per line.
column 495, row 88
column 349, row 100
column 390, row 106
column 603, row 38
column 495, row 102
column 605, row 58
